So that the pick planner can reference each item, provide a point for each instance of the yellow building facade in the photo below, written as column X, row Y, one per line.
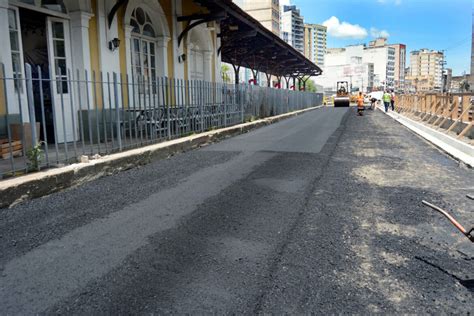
column 93, row 39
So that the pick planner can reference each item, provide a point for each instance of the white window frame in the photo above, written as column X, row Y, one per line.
column 20, row 46
column 153, row 77
column 60, row 76
column 142, row 41
column 37, row 7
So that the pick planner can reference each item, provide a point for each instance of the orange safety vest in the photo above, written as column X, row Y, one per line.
column 360, row 102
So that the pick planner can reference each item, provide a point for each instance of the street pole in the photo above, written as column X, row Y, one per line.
column 443, row 81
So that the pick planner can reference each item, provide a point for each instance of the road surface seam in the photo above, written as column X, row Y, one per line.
column 280, row 249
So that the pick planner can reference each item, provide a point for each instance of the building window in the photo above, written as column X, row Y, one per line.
column 53, row 5
column 59, row 46
column 15, row 49
column 143, row 49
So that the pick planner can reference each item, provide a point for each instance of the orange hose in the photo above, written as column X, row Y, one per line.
column 451, row 219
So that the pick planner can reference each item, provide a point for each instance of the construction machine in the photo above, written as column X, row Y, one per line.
column 342, row 97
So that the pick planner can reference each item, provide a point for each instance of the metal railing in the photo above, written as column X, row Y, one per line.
column 81, row 114
column 451, row 113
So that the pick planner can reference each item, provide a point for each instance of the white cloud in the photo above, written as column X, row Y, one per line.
column 374, row 32
column 344, row 29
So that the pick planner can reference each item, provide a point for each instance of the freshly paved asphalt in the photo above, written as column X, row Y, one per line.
column 319, row 213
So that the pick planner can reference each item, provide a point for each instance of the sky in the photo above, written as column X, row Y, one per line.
column 433, row 24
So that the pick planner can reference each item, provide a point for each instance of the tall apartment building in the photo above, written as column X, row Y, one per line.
column 267, row 12
column 400, row 64
column 315, row 43
column 426, row 70
column 292, row 23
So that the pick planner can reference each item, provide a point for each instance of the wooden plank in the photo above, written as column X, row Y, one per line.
column 466, row 103
column 465, row 130
column 459, row 118
column 17, row 153
column 7, row 145
column 444, row 110
column 445, row 117
column 13, row 148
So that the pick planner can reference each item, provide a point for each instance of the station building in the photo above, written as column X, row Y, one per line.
column 68, row 40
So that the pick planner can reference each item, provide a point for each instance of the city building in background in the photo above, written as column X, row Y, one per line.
column 457, row 83
column 292, row 27
column 400, row 64
column 381, row 59
column 378, row 42
column 447, row 77
column 267, row 12
column 315, row 43
column 426, row 70
column 360, row 76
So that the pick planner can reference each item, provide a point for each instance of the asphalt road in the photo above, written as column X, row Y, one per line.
column 318, row 213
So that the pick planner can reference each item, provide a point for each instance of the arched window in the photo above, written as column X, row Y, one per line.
column 143, row 47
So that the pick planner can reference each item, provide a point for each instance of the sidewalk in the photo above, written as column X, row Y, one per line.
column 457, row 149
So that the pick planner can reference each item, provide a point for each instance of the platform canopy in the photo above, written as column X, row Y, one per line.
column 245, row 42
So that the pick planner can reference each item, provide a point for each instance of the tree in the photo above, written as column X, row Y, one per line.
column 310, row 85
column 225, row 73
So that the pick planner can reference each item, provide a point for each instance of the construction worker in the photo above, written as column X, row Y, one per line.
column 392, row 100
column 360, row 104
column 373, row 100
column 387, row 99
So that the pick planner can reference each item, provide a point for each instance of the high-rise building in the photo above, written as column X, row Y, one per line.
column 400, row 64
column 267, row 12
column 426, row 70
column 292, row 23
column 315, row 43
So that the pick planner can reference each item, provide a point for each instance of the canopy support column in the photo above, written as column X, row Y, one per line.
column 236, row 73
column 269, row 78
column 287, row 80
column 255, row 75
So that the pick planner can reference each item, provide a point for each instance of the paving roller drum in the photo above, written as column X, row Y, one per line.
column 342, row 101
